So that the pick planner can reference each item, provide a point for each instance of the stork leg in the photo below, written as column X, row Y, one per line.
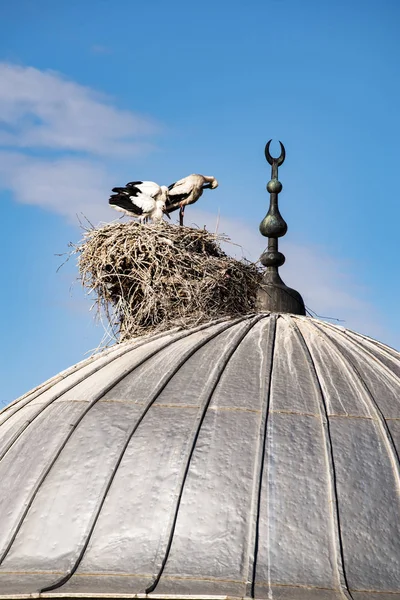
column 181, row 213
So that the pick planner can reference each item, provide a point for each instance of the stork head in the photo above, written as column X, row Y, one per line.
column 214, row 183
column 211, row 184
column 160, row 202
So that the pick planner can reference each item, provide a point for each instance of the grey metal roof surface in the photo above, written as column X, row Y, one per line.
column 248, row 457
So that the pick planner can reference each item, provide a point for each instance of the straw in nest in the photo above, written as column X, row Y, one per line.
column 149, row 278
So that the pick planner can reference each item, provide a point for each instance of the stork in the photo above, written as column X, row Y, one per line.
column 141, row 199
column 187, row 191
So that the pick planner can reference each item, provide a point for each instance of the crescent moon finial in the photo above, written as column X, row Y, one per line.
column 274, row 295
column 270, row 159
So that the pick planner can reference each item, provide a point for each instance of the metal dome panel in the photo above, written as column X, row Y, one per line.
column 253, row 457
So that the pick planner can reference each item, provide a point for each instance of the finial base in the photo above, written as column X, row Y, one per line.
column 274, row 296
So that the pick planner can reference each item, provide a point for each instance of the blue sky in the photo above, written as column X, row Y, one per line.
column 96, row 93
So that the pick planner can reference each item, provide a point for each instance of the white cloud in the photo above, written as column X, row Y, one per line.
column 41, row 109
column 67, row 186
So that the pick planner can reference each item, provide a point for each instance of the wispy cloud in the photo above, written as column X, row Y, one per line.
column 57, row 139
column 41, row 109
column 66, row 186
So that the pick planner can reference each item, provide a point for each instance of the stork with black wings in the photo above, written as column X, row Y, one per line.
column 141, row 199
column 187, row 191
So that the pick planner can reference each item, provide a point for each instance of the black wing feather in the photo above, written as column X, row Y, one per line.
column 128, row 191
column 133, row 183
column 120, row 190
column 173, row 202
column 123, row 201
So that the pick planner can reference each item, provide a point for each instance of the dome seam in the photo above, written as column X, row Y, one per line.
column 216, row 375
column 260, row 461
column 332, row 480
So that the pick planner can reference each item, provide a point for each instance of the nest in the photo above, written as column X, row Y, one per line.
column 148, row 278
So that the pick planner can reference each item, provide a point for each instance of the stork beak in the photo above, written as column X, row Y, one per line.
column 166, row 213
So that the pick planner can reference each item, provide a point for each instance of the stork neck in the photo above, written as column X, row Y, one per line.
column 157, row 214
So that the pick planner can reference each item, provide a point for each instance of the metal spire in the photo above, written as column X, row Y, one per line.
column 273, row 294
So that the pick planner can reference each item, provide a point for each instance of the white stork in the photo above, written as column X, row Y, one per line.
column 142, row 199
column 187, row 191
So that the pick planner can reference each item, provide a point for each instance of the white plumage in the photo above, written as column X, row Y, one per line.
column 141, row 199
column 187, row 191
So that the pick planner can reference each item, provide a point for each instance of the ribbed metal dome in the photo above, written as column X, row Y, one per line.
column 244, row 457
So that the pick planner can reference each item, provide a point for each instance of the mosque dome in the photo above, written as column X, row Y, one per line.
column 254, row 456
column 248, row 457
